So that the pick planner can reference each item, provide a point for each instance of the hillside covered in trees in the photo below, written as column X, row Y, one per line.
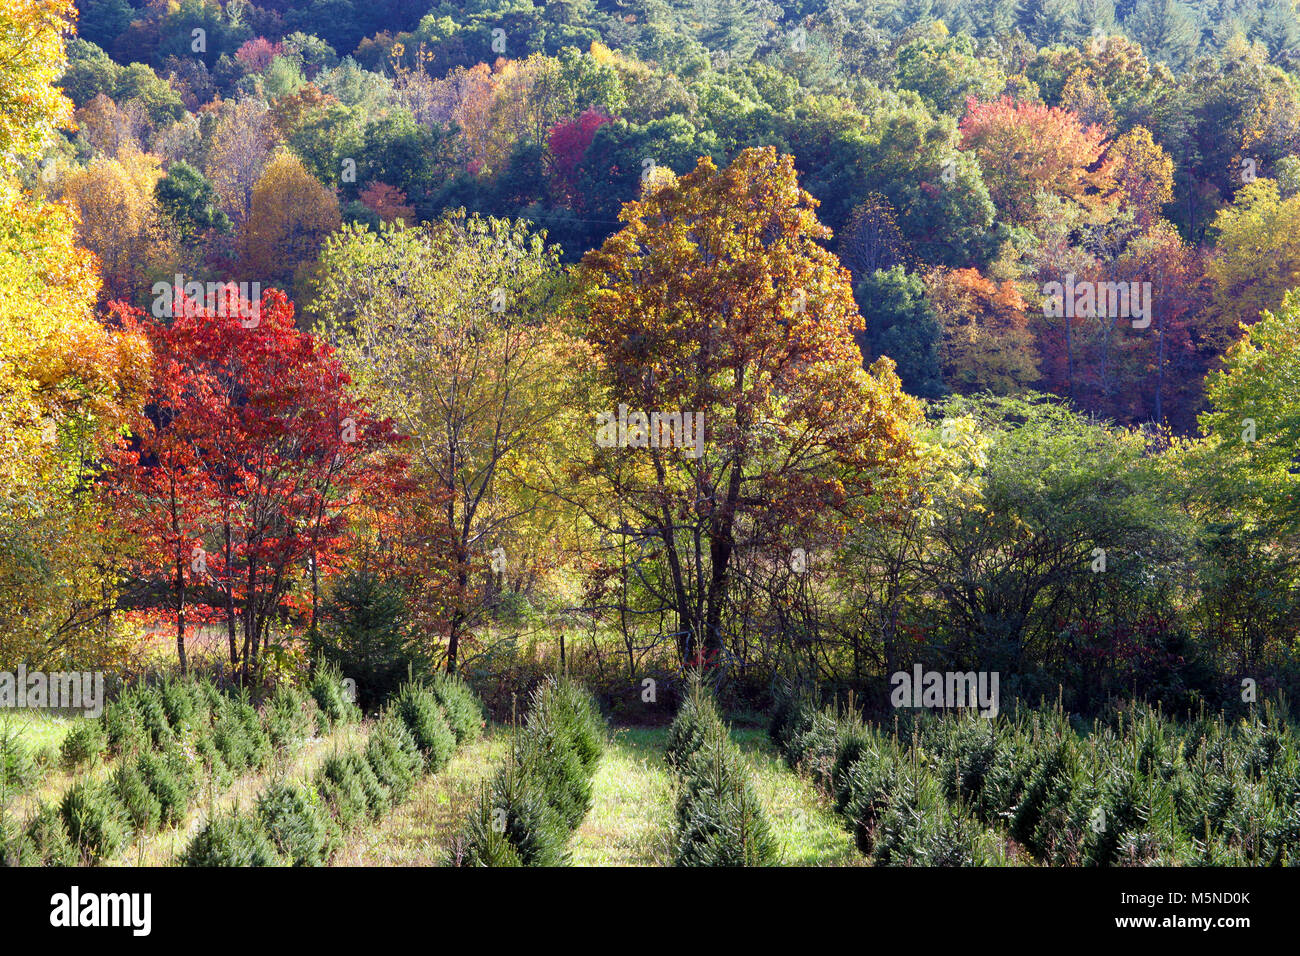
column 807, row 341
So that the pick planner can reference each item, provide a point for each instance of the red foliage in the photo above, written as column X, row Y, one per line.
column 256, row 54
column 568, row 141
column 251, row 454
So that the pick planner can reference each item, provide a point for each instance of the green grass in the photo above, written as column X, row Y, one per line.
column 630, row 820
column 420, row 831
column 807, row 829
column 38, row 729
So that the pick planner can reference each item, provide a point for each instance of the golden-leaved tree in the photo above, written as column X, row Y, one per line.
column 290, row 216
column 68, row 383
column 120, row 221
column 717, row 300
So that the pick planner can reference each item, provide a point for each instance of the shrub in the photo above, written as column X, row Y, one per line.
column 327, row 689
column 94, row 820
column 135, row 797
column 394, row 756
column 181, row 703
column 361, row 634
column 207, row 700
column 230, row 839
column 84, row 744
column 696, row 721
column 513, row 825
column 209, row 754
column 578, row 712
column 423, row 716
column 239, row 735
column 148, row 703
column 290, row 717
column 171, row 778
column 720, row 821
column 17, row 767
column 125, row 727
column 539, row 797
column 349, row 785
column 459, row 704
column 297, row 825
column 45, row 841
column 560, row 747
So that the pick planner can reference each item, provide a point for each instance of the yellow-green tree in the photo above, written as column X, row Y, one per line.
column 447, row 328
column 1257, row 257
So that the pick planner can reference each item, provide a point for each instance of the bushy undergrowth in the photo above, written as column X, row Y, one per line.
column 719, row 818
column 528, row 811
column 1137, row 789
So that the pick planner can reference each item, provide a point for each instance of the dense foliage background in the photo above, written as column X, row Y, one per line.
column 459, row 233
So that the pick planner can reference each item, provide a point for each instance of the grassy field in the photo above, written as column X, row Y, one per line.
column 422, row 830
column 630, row 820
column 809, row 832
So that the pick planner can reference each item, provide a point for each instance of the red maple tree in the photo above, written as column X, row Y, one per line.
column 239, row 480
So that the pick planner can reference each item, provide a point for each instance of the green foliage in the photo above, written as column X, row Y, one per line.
column 1140, row 790
column 514, row 825
column 420, row 711
column 903, row 325
column 291, row 717
column 239, row 735
column 190, row 202
column 17, row 767
column 231, row 839
column 460, row 705
column 361, row 636
column 394, row 756
column 43, row 842
column 342, row 786
column 534, row 803
column 295, row 820
column 334, row 707
column 124, row 727
column 172, row 779
column 94, row 819
column 719, row 818
column 182, row 703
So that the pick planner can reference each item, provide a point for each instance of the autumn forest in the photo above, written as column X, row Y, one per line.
column 878, row 413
